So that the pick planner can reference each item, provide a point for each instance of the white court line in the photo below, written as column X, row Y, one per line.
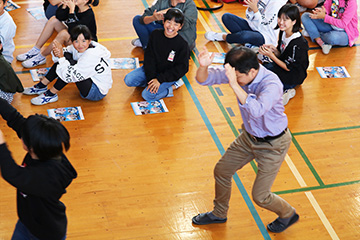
column 288, row 160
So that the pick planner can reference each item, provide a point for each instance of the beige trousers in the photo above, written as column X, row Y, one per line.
column 269, row 156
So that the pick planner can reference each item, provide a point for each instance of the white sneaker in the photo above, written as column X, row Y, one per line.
column 178, row 83
column 42, row 99
column 29, row 54
column 34, row 90
column 326, row 48
column 34, row 61
column 305, row 33
column 136, row 42
column 214, row 36
column 288, row 94
column 252, row 47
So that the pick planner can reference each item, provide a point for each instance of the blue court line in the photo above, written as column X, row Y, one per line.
column 22, row 72
column 218, row 91
column 230, row 111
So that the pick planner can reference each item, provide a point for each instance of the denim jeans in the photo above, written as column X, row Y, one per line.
column 144, row 30
column 22, row 233
column 241, row 31
column 137, row 78
column 317, row 28
column 94, row 94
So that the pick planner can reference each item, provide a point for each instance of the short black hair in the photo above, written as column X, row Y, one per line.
column 45, row 136
column 4, row 1
column 1, row 50
column 242, row 59
column 93, row 2
column 176, row 14
column 291, row 11
column 80, row 29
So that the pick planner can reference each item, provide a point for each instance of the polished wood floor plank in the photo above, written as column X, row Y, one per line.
column 144, row 177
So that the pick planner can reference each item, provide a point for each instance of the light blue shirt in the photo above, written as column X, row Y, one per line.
column 263, row 113
column 7, row 33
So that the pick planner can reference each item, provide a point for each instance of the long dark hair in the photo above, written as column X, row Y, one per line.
column 291, row 11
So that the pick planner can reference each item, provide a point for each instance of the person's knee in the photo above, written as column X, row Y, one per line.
column 305, row 16
column 262, row 199
column 129, row 81
column 225, row 17
column 136, row 20
column 148, row 96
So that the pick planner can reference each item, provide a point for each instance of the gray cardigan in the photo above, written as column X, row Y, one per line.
column 188, row 31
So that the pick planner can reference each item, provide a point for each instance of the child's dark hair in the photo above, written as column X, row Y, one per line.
column 80, row 29
column 4, row 1
column 242, row 59
column 45, row 136
column 291, row 11
column 1, row 50
column 176, row 14
column 93, row 2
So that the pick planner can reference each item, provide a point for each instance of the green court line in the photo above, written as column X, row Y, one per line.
column 326, row 130
column 307, row 161
column 306, row 189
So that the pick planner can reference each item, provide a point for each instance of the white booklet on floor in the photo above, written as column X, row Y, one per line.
column 149, row 107
column 333, row 72
column 11, row 6
column 66, row 114
column 37, row 12
column 39, row 73
column 219, row 57
column 124, row 63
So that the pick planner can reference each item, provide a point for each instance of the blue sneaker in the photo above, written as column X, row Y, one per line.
column 34, row 90
column 42, row 99
column 34, row 61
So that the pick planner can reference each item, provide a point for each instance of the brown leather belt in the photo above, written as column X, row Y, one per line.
column 268, row 138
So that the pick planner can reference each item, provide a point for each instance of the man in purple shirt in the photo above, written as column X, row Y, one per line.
column 264, row 137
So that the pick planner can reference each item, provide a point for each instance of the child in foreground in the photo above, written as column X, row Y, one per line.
column 43, row 176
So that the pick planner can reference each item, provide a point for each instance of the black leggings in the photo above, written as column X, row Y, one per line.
column 83, row 86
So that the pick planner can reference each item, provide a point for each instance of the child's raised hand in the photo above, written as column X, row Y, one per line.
column 251, row 4
column 153, row 85
column 159, row 16
column 57, row 49
column 205, row 59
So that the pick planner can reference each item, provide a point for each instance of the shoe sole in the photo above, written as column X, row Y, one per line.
column 41, row 63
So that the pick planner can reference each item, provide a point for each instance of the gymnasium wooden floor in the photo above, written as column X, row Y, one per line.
column 145, row 177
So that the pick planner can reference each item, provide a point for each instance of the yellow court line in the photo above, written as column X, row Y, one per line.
column 288, row 160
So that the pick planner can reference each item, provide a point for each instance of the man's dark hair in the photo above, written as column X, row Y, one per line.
column 242, row 59
column 291, row 11
column 176, row 14
column 45, row 136
column 80, row 29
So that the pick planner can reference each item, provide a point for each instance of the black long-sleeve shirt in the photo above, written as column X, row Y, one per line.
column 166, row 59
column 71, row 20
column 40, row 184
